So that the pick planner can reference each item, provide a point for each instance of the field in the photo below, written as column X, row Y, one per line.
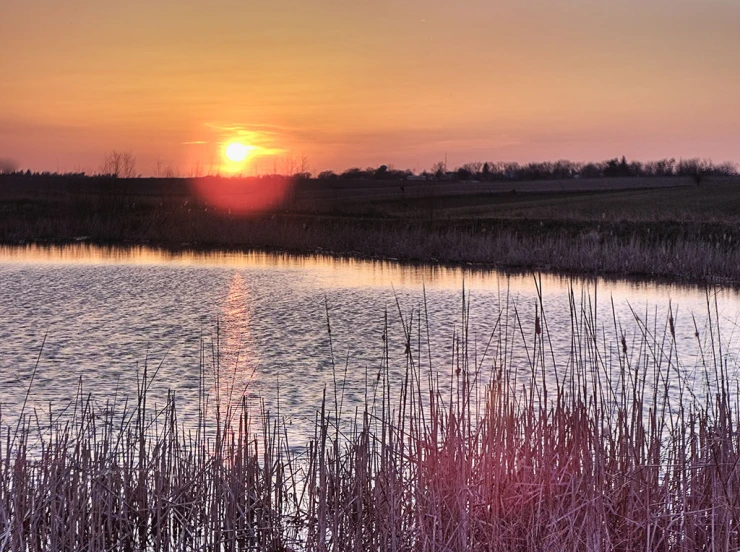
column 646, row 227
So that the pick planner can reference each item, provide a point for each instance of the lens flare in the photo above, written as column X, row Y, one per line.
column 243, row 195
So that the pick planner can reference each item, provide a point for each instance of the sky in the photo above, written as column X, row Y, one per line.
column 334, row 84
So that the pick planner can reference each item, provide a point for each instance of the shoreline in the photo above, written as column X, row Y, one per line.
column 678, row 234
column 501, row 265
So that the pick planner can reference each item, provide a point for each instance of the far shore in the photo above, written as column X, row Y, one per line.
column 663, row 228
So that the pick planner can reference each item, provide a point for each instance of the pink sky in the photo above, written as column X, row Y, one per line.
column 345, row 84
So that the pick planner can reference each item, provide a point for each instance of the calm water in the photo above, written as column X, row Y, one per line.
column 94, row 317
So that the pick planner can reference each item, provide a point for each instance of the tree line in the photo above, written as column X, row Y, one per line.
column 695, row 168
column 123, row 165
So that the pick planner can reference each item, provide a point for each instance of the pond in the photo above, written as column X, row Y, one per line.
column 280, row 330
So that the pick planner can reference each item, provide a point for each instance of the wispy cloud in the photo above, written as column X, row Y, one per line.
column 195, row 143
column 262, row 139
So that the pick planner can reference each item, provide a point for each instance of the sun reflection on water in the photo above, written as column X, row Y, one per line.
column 235, row 361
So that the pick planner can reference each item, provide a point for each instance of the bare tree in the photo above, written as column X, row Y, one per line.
column 119, row 164
column 170, row 172
column 294, row 164
column 695, row 168
column 290, row 163
column 303, row 165
column 196, row 171
column 474, row 168
column 439, row 169
column 725, row 169
column 164, row 169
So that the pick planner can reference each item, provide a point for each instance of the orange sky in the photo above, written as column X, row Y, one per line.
column 364, row 83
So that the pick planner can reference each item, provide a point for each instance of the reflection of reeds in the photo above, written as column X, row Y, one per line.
column 613, row 451
column 691, row 252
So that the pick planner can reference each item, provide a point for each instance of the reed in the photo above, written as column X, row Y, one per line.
column 616, row 449
column 695, row 253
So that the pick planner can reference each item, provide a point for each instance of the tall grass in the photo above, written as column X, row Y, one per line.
column 689, row 252
column 614, row 450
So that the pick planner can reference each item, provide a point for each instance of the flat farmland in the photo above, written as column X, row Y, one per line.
column 613, row 199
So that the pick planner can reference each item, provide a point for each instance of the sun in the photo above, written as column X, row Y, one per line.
column 236, row 152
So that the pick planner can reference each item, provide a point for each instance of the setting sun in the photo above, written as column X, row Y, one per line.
column 236, row 152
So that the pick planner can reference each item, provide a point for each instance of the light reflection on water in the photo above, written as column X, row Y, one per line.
column 258, row 321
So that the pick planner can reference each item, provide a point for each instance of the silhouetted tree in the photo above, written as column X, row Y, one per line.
column 387, row 172
column 636, row 168
column 473, row 169
column 463, row 174
column 563, row 169
column 354, row 172
column 440, row 169
column 381, row 173
column 592, row 170
column 327, row 175
column 119, row 164
column 725, row 169
column 617, row 167
column 511, row 171
column 697, row 169
column 486, row 171
column 164, row 170
column 661, row 167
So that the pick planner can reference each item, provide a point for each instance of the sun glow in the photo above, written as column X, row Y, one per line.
column 236, row 188
column 236, row 152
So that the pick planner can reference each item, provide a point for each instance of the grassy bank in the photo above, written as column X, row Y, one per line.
column 614, row 450
column 674, row 230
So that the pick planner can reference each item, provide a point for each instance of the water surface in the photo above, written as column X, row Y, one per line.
column 282, row 329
